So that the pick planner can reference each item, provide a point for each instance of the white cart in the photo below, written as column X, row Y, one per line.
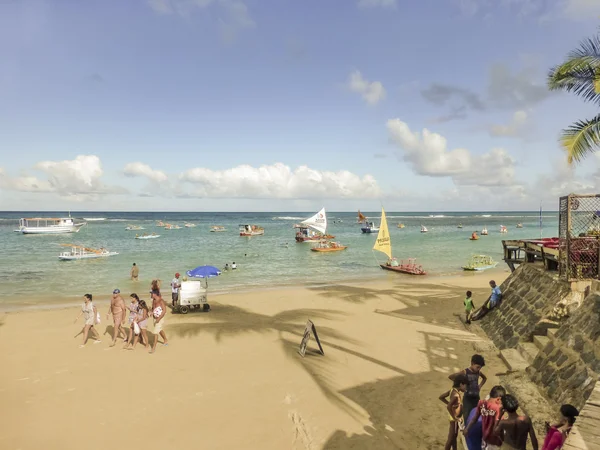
column 192, row 295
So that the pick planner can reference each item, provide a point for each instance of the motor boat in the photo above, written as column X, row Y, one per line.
column 370, row 227
column 43, row 225
column 80, row 252
column 251, row 230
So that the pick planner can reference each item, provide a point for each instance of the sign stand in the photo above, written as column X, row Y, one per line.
column 310, row 328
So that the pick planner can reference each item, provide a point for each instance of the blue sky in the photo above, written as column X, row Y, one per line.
column 156, row 104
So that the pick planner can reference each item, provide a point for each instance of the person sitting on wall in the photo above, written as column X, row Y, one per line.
column 492, row 302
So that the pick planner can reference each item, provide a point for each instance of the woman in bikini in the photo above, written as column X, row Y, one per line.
column 556, row 435
column 133, row 310
column 454, row 407
column 142, row 321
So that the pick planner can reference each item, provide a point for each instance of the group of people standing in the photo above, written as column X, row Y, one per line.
column 494, row 423
column 129, row 321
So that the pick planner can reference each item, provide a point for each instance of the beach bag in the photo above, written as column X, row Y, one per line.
column 136, row 328
column 97, row 321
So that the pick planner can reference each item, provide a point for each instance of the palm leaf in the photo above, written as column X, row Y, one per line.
column 581, row 139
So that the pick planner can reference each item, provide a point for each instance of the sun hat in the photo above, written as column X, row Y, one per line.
column 117, row 291
column 177, row 275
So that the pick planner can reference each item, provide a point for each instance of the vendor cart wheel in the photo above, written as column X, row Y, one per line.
column 206, row 307
column 183, row 309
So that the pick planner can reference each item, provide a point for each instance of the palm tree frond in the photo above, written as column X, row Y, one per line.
column 581, row 139
column 583, row 82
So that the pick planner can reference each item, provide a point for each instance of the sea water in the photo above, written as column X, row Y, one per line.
column 29, row 267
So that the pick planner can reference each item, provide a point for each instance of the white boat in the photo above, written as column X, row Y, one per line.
column 80, row 252
column 519, row 225
column 134, row 228
column 370, row 227
column 424, row 229
column 503, row 229
column 172, row 227
column 189, row 225
column 313, row 229
column 43, row 225
column 484, row 231
column 251, row 230
column 217, row 229
column 147, row 236
column 94, row 219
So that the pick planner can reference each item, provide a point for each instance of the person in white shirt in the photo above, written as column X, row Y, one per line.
column 233, row 266
column 175, row 285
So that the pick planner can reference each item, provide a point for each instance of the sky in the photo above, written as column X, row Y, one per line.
column 286, row 105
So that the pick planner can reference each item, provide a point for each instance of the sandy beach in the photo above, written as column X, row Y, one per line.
column 232, row 378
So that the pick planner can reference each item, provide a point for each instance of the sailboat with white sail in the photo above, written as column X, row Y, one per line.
column 383, row 244
column 313, row 229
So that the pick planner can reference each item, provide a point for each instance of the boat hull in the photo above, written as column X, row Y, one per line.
column 479, row 269
column 91, row 256
column 50, row 230
column 254, row 233
column 148, row 237
column 329, row 250
column 409, row 270
column 313, row 238
column 369, row 230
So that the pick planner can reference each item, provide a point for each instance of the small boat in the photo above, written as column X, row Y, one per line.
column 424, row 229
column 519, row 225
column 172, row 227
column 370, row 227
column 147, row 236
column 80, row 252
column 479, row 263
column 361, row 217
column 217, row 229
column 474, row 236
column 484, row 231
column 134, row 228
column 400, row 225
column 329, row 246
column 383, row 244
column 160, row 223
column 43, row 225
column 503, row 229
column 189, row 225
column 251, row 230
column 460, row 225
column 94, row 219
column 313, row 229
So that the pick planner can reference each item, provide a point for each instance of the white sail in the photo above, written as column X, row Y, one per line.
column 317, row 222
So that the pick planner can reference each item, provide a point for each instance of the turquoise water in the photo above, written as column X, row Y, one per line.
column 30, row 267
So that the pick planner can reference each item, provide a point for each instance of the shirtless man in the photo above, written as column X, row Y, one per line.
column 117, row 309
column 159, row 309
column 514, row 429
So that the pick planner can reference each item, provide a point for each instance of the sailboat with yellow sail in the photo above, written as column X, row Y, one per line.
column 361, row 217
column 383, row 244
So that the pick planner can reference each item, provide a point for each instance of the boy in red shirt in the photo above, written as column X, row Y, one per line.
column 491, row 412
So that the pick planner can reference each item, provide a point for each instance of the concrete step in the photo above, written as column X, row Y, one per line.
column 513, row 359
column 541, row 341
column 528, row 351
column 550, row 332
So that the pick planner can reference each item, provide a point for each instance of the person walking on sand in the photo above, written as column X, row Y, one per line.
column 89, row 314
column 133, row 307
column 556, row 435
column 490, row 412
column 159, row 309
column 175, row 286
column 118, row 309
column 473, row 373
column 514, row 429
column 469, row 307
column 135, row 272
column 454, row 407
column 142, row 322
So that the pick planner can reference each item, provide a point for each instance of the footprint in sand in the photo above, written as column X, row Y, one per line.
column 301, row 434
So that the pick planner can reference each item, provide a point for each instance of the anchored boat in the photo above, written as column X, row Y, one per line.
column 383, row 244
column 313, row 229
column 479, row 263
column 80, row 252
column 484, row 231
column 370, row 227
column 251, row 230
column 147, row 236
column 328, row 246
column 43, row 225
column 424, row 229
column 217, row 229
column 189, row 225
column 134, row 228
column 361, row 217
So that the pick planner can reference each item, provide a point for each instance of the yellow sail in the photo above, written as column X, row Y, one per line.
column 383, row 243
column 361, row 217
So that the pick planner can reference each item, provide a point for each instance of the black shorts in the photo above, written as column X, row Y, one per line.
column 174, row 296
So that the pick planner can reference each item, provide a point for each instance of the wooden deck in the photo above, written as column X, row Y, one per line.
column 525, row 251
column 586, row 432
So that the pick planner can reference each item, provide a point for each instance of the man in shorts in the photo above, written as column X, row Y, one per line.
column 135, row 271
column 159, row 309
column 175, row 286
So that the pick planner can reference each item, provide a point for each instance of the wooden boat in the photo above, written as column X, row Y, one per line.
column 479, row 263
column 134, row 228
column 313, row 229
column 474, row 236
column 409, row 267
column 400, row 225
column 147, row 236
column 361, row 217
column 160, row 223
column 43, row 225
column 80, row 252
column 172, row 227
column 328, row 246
column 217, row 229
column 189, row 225
column 370, row 227
column 383, row 244
column 503, row 229
column 251, row 230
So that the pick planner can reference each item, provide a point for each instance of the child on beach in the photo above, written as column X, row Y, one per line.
column 556, row 435
column 490, row 412
column 514, row 429
column 454, row 406
column 469, row 307
column 473, row 373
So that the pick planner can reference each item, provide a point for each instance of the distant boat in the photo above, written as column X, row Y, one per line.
column 479, row 263
column 94, row 219
column 251, row 230
column 519, row 225
column 134, row 228
column 80, row 252
column 43, row 225
column 424, row 229
column 160, row 223
column 168, row 226
column 400, row 225
column 147, row 236
column 370, row 227
column 361, row 217
column 328, row 246
column 383, row 244
column 503, row 229
column 217, row 229
column 313, row 229
column 189, row 225
column 474, row 236
column 459, row 225
column 484, row 231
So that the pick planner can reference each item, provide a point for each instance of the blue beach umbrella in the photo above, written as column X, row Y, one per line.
column 203, row 272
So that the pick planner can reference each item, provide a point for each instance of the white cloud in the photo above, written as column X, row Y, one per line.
column 581, row 9
column 138, row 169
column 371, row 91
column 428, row 154
column 279, row 181
column 377, row 3
column 517, row 127
column 79, row 179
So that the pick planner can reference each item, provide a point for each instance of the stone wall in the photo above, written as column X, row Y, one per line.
column 567, row 368
column 530, row 295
